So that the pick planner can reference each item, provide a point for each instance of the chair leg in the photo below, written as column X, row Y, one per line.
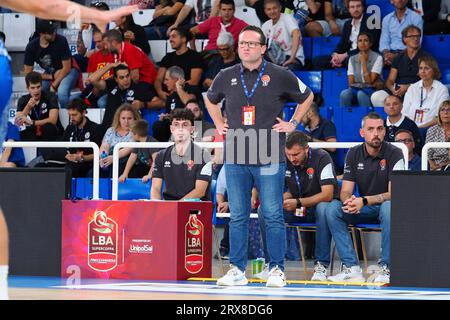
column 363, row 245
column 302, row 252
column 355, row 245
column 218, row 249
column 333, row 252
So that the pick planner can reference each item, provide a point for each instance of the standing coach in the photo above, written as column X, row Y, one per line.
column 255, row 92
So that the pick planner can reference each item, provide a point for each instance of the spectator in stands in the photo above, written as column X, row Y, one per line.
column 442, row 24
column 12, row 157
column 225, row 22
column 368, row 166
column 440, row 132
column 348, row 44
column 133, row 33
column 178, row 95
column 305, row 11
column 80, row 129
column 189, row 60
column 141, row 68
column 51, row 51
column 319, row 129
column 406, row 137
column 202, row 11
column 364, row 73
column 204, row 130
column 37, row 113
column 284, row 45
column 120, row 131
column 97, row 60
column 227, row 58
column 184, row 167
column 336, row 14
column 143, row 4
column 310, row 185
column 428, row 10
column 396, row 121
column 164, row 16
column 423, row 98
column 141, row 160
column 405, row 67
column 121, row 89
column 392, row 26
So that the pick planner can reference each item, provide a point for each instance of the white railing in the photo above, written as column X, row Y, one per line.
column 66, row 144
column 117, row 147
column 141, row 145
column 428, row 146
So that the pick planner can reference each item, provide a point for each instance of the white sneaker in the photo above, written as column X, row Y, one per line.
column 234, row 277
column 4, row 291
column 384, row 275
column 264, row 274
column 276, row 278
column 353, row 274
column 320, row 272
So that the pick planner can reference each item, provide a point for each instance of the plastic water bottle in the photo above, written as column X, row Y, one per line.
column 103, row 156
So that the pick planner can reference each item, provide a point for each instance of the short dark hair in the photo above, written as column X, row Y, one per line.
column 314, row 108
column 99, row 5
column 272, row 1
column 183, row 32
column 33, row 77
column 118, row 68
column 409, row 28
column 77, row 104
column 262, row 37
column 182, row 114
column 2, row 36
column 114, row 35
column 140, row 127
column 367, row 34
column 297, row 138
column 363, row 2
column 370, row 115
column 229, row 2
column 404, row 131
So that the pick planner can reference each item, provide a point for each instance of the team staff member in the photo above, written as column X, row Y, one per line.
column 184, row 167
column 368, row 166
column 255, row 92
column 310, row 185
column 49, row 9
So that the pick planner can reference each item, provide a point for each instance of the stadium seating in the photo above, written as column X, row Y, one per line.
column 1, row 22
column 134, row 189
column 385, row 6
column 248, row 15
column 324, row 45
column 307, row 48
column 445, row 76
column 380, row 111
column 151, row 115
column 82, row 188
column 438, row 46
column 143, row 17
column 348, row 122
column 18, row 27
column 313, row 79
column 158, row 49
column 334, row 81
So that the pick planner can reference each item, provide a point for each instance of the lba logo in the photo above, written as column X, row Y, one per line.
column 102, row 242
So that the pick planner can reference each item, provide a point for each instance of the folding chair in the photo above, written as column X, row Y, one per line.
column 362, row 229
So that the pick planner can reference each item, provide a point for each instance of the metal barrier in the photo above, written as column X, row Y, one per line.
column 65, row 144
column 117, row 147
column 428, row 146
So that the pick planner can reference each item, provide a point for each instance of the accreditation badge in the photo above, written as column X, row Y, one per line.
column 418, row 117
column 248, row 115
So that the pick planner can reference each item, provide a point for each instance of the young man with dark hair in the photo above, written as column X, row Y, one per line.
column 184, row 167
column 38, row 112
column 369, row 167
column 141, row 160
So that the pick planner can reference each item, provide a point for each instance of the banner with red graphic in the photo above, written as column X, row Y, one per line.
column 154, row 240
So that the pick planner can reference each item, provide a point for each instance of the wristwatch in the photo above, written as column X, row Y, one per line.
column 365, row 201
column 294, row 122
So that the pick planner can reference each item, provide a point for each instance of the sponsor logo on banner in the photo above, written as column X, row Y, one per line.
column 141, row 246
column 102, row 242
column 194, row 245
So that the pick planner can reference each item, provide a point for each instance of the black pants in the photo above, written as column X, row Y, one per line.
column 46, row 132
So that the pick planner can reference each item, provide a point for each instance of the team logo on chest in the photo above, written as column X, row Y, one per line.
column 383, row 164
column 265, row 80
column 190, row 164
column 310, row 173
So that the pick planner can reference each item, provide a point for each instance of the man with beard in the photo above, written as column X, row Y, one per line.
column 368, row 166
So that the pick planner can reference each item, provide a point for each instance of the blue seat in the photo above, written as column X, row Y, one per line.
column 134, row 189
column 380, row 111
column 385, row 7
column 326, row 112
column 313, row 79
column 82, row 188
column 324, row 45
column 348, row 122
column 151, row 115
column 438, row 46
column 334, row 81
column 307, row 47
column 445, row 76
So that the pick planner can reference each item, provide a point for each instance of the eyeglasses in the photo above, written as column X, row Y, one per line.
column 447, row 110
column 223, row 49
column 250, row 44
column 405, row 141
column 417, row 36
column 184, row 125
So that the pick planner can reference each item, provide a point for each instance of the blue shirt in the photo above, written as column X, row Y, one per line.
column 16, row 155
column 415, row 164
column 391, row 30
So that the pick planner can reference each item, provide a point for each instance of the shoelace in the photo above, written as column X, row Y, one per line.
column 276, row 272
column 320, row 268
column 233, row 271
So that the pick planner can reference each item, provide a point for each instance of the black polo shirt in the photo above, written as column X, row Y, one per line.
column 173, row 101
column 187, row 61
column 407, row 69
column 372, row 175
column 406, row 124
column 181, row 173
column 258, row 143
column 41, row 110
column 90, row 132
column 317, row 172
column 140, row 91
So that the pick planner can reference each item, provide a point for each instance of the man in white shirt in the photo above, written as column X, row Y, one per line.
column 284, row 37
